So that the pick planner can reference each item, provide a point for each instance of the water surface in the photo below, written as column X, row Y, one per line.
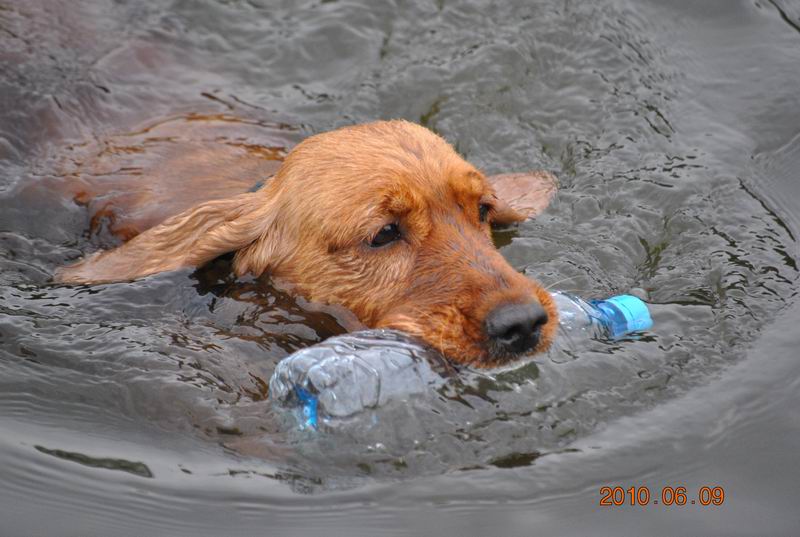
column 674, row 128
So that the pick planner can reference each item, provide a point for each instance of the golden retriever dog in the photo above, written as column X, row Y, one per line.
column 385, row 219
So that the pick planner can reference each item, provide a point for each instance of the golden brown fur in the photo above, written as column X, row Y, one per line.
column 312, row 223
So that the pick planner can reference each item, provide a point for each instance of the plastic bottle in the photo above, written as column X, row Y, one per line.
column 346, row 374
column 611, row 318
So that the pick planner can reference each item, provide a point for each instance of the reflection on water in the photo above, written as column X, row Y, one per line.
column 673, row 131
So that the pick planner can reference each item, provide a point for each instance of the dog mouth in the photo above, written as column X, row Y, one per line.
column 500, row 356
column 507, row 334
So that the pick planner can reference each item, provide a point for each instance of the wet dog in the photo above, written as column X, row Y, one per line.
column 385, row 219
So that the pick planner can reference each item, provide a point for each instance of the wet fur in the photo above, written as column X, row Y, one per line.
column 312, row 223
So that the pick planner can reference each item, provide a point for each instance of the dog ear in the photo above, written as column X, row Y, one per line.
column 522, row 195
column 189, row 239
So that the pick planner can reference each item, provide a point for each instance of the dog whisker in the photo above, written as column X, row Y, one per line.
column 550, row 286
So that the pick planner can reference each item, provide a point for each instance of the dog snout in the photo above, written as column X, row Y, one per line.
column 515, row 328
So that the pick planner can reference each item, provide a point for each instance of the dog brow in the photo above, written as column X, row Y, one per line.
column 467, row 187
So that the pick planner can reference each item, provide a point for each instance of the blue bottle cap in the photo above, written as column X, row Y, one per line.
column 637, row 316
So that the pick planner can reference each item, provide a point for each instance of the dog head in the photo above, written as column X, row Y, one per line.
column 385, row 219
column 389, row 221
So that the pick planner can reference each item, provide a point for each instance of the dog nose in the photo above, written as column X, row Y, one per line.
column 516, row 327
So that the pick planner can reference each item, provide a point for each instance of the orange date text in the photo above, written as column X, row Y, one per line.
column 705, row 496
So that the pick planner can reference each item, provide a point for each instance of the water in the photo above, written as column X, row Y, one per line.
column 674, row 130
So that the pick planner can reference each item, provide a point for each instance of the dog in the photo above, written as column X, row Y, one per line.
column 384, row 218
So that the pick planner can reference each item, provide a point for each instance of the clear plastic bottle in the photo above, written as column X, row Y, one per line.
column 611, row 318
column 345, row 375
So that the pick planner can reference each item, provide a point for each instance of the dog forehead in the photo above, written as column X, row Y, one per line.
column 393, row 165
column 413, row 169
column 417, row 189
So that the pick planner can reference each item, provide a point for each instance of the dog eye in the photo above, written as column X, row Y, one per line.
column 483, row 211
column 388, row 233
